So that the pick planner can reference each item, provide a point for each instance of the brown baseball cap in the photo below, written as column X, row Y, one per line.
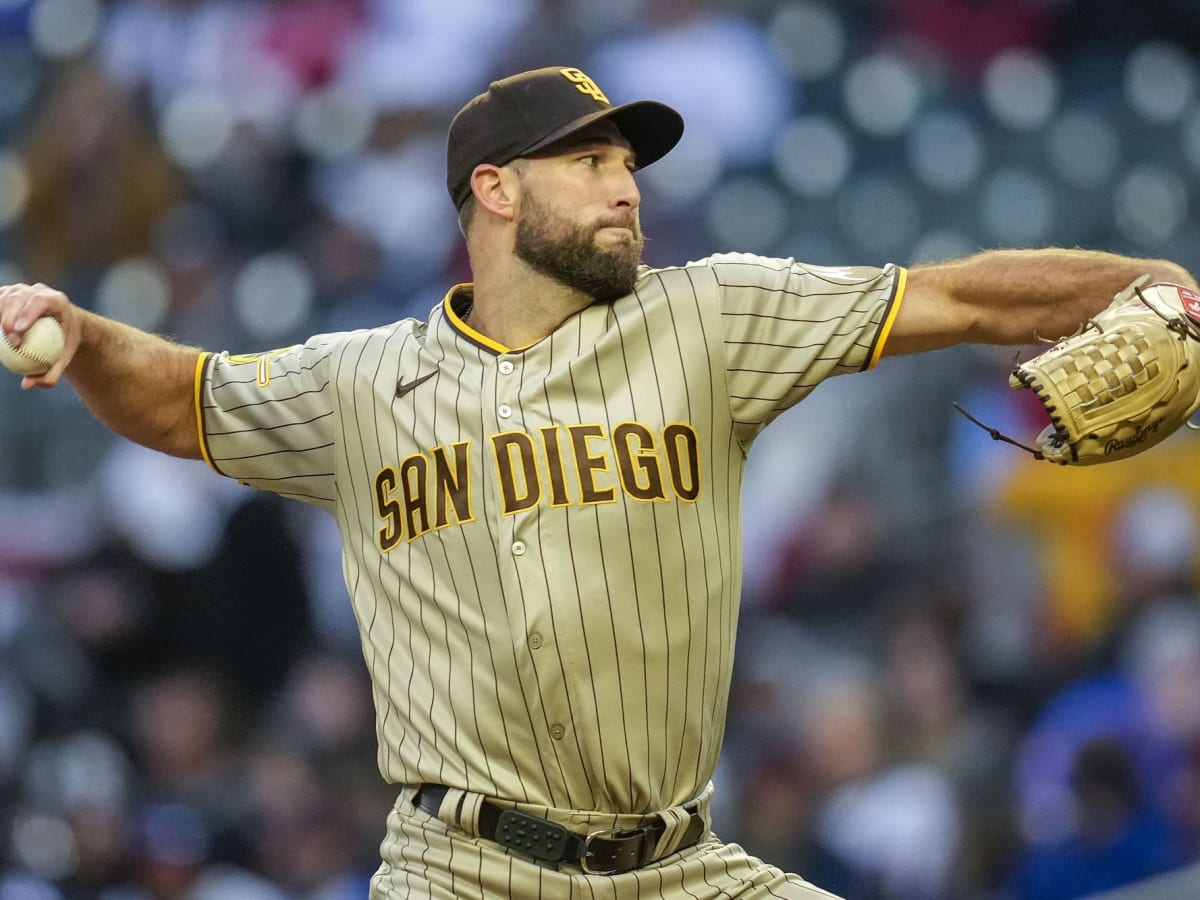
column 521, row 114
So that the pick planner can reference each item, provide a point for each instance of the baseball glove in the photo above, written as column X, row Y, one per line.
column 1124, row 382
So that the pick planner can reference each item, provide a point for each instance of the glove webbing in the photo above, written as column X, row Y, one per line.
column 1118, row 364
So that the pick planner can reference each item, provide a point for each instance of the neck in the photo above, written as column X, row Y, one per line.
column 517, row 306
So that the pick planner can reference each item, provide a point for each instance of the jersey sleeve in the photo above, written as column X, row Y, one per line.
column 268, row 419
column 787, row 326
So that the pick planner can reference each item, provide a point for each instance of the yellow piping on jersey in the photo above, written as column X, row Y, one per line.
column 462, row 326
column 886, row 329
column 198, row 389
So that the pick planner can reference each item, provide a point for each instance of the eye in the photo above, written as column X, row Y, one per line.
column 590, row 160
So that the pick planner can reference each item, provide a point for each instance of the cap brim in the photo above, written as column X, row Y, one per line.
column 652, row 129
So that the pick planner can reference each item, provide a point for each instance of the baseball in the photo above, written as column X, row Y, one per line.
column 40, row 348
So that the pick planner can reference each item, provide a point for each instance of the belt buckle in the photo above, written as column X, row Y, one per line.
column 615, row 865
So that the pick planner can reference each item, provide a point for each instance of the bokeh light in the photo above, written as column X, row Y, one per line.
column 882, row 93
column 64, row 28
column 748, row 212
column 1018, row 208
column 945, row 150
column 273, row 295
column 808, row 38
column 881, row 213
column 690, row 172
column 196, row 126
column 1021, row 88
column 333, row 123
column 136, row 292
column 1083, row 147
column 1160, row 81
column 1151, row 204
column 813, row 155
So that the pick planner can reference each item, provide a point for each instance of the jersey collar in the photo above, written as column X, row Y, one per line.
column 457, row 304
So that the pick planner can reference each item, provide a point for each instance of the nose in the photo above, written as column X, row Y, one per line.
column 627, row 194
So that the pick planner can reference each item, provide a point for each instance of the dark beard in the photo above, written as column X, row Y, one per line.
column 568, row 253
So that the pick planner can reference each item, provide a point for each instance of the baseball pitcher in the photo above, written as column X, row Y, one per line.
column 538, row 488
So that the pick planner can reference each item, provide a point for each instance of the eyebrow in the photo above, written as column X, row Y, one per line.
column 585, row 140
column 597, row 140
column 588, row 140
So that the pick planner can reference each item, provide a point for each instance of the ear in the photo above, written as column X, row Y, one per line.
column 495, row 189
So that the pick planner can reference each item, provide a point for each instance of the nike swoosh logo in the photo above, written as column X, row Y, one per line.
column 403, row 387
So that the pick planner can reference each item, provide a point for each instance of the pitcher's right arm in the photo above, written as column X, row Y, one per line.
column 141, row 386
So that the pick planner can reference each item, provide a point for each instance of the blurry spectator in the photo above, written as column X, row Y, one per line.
column 1151, row 706
column 307, row 832
column 1078, row 600
column 312, row 848
column 210, row 597
column 309, row 37
column 895, row 825
column 429, row 54
column 326, row 706
column 149, row 500
column 216, row 79
column 714, row 67
column 17, row 711
column 206, row 130
column 74, row 811
column 1117, row 839
column 1163, row 658
column 1185, row 803
column 348, row 267
column 1152, row 548
column 832, row 569
column 184, row 733
column 105, row 603
column 416, row 238
column 162, row 50
column 98, row 182
column 776, row 810
column 252, row 587
column 174, row 861
column 938, row 720
column 103, row 845
column 26, row 886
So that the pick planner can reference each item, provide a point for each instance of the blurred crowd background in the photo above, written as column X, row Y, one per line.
column 962, row 674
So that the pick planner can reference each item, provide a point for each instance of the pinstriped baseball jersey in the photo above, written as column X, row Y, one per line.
column 543, row 545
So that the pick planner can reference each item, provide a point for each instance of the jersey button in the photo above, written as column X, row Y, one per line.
column 557, row 732
column 518, row 548
column 505, row 367
column 535, row 641
column 505, row 410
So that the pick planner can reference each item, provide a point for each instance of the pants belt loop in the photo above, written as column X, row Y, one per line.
column 468, row 813
column 676, row 821
column 450, row 809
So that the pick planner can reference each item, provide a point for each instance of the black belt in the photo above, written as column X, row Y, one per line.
column 609, row 851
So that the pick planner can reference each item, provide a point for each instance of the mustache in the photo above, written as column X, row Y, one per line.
column 622, row 220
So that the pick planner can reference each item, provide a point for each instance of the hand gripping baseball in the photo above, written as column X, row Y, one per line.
column 1126, row 381
column 39, row 332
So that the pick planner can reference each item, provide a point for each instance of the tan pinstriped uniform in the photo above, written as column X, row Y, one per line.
column 543, row 545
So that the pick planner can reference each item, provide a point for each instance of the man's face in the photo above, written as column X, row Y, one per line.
column 578, row 221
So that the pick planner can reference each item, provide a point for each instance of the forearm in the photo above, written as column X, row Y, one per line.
column 1016, row 296
column 140, row 385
